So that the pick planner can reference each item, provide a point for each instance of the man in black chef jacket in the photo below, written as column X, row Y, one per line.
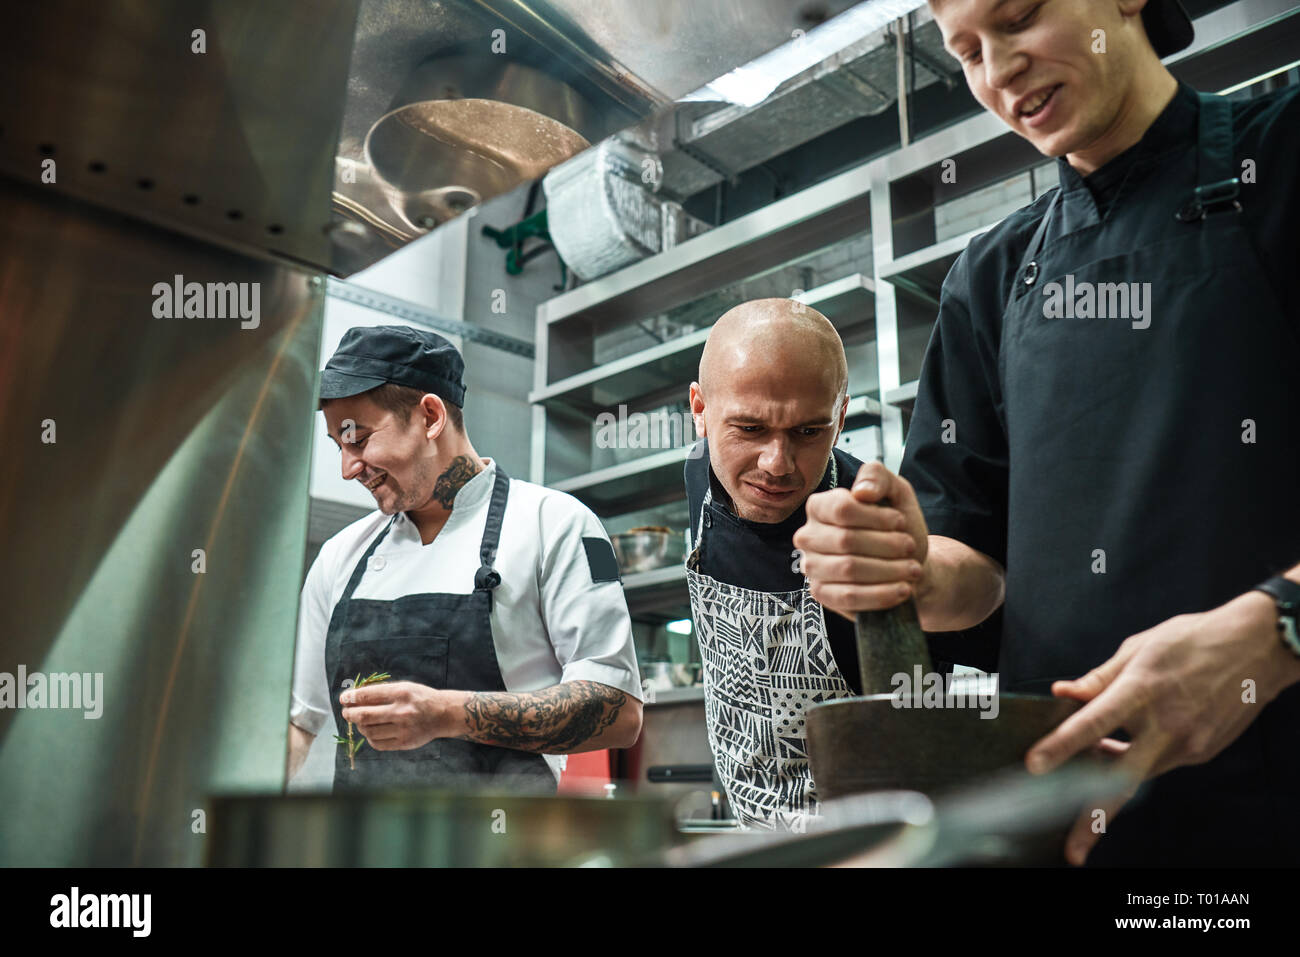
column 1108, row 411
column 768, row 417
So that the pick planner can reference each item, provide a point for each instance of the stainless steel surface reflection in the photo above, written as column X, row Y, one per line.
column 436, row 158
column 229, row 134
column 154, row 522
column 435, row 829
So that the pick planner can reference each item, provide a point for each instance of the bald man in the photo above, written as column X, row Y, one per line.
column 768, row 407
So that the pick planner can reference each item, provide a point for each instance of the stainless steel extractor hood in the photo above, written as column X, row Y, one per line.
column 450, row 104
column 229, row 121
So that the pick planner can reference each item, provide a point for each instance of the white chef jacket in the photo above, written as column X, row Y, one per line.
column 550, row 621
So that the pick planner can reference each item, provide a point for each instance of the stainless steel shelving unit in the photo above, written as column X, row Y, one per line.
column 643, row 482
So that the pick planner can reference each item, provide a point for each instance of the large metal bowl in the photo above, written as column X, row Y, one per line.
column 868, row 744
column 859, row 745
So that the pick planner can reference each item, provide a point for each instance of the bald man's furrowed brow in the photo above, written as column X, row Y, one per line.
column 741, row 418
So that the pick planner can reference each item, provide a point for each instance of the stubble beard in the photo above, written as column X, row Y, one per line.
column 423, row 478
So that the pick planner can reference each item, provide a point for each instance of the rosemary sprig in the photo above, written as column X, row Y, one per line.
column 354, row 745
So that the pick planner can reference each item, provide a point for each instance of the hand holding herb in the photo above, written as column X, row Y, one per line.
column 353, row 744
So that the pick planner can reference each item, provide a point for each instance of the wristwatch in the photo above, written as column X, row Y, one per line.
column 1287, row 595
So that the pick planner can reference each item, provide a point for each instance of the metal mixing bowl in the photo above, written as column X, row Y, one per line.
column 641, row 549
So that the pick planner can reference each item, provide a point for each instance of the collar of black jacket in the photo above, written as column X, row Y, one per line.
column 1174, row 128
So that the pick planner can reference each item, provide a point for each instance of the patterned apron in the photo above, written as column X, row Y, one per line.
column 766, row 661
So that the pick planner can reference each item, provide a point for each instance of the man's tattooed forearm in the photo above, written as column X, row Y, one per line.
column 460, row 471
column 552, row 721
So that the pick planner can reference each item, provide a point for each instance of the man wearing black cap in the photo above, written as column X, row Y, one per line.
column 493, row 605
column 1105, row 438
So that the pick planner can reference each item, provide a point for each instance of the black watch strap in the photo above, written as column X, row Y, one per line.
column 1285, row 591
column 1287, row 595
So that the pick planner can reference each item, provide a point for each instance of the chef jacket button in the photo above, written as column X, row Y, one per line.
column 377, row 563
column 1031, row 273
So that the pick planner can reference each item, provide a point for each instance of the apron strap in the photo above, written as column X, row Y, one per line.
column 360, row 570
column 487, row 577
column 1217, row 186
column 708, row 500
column 1027, row 273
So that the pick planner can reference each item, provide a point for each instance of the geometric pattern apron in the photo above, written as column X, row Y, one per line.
column 766, row 661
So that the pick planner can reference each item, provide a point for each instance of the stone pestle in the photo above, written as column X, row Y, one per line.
column 890, row 642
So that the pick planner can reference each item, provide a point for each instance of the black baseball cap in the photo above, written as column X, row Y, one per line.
column 1169, row 28
column 369, row 356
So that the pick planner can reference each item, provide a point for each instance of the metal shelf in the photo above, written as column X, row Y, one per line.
column 642, row 483
column 921, row 273
column 647, row 372
column 660, row 593
column 849, row 303
column 779, row 232
column 904, row 397
column 862, row 409
column 655, row 577
column 687, row 695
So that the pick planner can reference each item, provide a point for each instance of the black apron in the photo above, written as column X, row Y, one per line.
column 1121, row 442
column 436, row 639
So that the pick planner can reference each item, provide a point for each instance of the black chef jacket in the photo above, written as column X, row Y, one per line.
column 759, row 556
column 1127, row 469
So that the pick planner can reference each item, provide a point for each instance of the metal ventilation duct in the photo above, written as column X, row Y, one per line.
column 843, row 70
column 602, row 215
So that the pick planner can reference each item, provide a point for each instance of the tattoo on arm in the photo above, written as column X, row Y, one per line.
column 551, row 721
column 460, row 471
